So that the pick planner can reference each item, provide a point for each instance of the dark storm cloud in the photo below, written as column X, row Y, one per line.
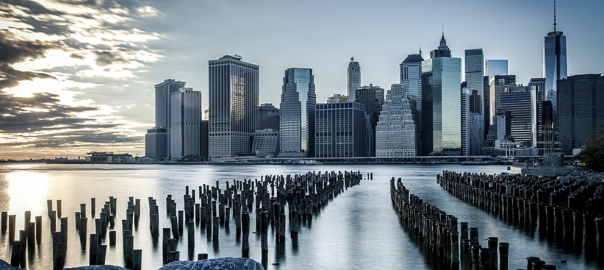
column 30, row 8
column 81, row 138
column 46, row 114
column 13, row 50
column 106, row 58
column 10, row 77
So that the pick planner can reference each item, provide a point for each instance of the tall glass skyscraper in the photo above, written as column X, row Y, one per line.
column 441, row 102
column 554, row 62
column 475, row 73
column 185, row 124
column 157, row 139
column 234, row 100
column 297, row 120
column 496, row 67
column 411, row 80
column 340, row 130
column 354, row 78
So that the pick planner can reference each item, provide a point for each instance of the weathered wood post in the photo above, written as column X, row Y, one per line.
column 181, row 222
column 101, row 254
column 93, row 250
column 4, row 222
column 15, row 259
column 112, row 238
column 454, row 250
column 30, row 227
column 504, row 249
column 202, row 256
column 485, row 258
column 245, row 247
column 38, row 229
column 600, row 236
column 173, row 256
column 60, row 255
column 129, row 250
column 191, row 233
column 137, row 257
column 264, row 235
column 165, row 239
column 12, row 222
column 59, row 208
column 174, row 223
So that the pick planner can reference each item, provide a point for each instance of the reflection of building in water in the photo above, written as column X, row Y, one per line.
column 109, row 157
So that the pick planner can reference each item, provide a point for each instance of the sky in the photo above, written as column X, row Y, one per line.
column 78, row 75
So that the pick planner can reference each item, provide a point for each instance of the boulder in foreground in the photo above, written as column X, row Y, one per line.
column 215, row 264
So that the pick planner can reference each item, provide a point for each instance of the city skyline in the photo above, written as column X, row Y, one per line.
column 86, row 84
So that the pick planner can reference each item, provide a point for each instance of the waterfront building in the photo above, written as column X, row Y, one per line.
column 233, row 102
column 554, row 62
column 545, row 121
column 520, row 102
column 340, row 130
column 441, row 102
column 266, row 143
column 395, row 131
column 496, row 67
column 476, row 133
column 156, row 141
column 465, row 120
column 297, row 119
column 487, row 104
column 474, row 68
column 373, row 98
column 204, row 140
column 337, row 98
column 269, row 117
column 411, row 80
column 498, row 83
column 354, row 78
column 580, row 109
column 185, row 123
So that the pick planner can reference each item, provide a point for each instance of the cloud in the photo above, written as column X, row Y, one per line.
column 106, row 58
column 13, row 50
column 10, row 77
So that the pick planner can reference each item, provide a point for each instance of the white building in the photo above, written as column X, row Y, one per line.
column 395, row 130
column 185, row 124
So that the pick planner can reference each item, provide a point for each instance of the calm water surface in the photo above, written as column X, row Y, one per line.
column 357, row 230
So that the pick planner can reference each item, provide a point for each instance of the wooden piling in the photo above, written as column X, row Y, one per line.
column 93, row 249
column 59, row 208
column 12, row 222
column 202, row 256
column 16, row 254
column 504, row 249
column 137, row 257
column 245, row 247
column 112, row 238
column 101, row 254
column 38, row 229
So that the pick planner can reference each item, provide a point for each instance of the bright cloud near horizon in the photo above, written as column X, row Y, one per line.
column 78, row 75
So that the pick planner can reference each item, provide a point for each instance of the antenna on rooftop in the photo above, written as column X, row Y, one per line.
column 554, row 16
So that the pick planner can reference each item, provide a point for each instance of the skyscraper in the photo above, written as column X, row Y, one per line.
column 580, row 109
column 354, row 78
column 297, row 120
column 498, row 84
column 185, row 123
column 475, row 72
column 411, row 80
column 157, row 139
column 441, row 102
column 233, row 102
column 269, row 117
column 395, row 131
column 554, row 62
column 373, row 98
column 521, row 104
column 496, row 67
column 340, row 130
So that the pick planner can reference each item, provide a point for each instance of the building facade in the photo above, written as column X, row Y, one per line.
column 496, row 67
column 395, row 131
column 269, row 117
column 337, row 98
column 520, row 102
column 185, row 127
column 157, row 140
column 297, row 119
column 441, row 102
column 411, row 80
column 474, row 68
column 233, row 102
column 372, row 97
column 354, row 78
column 340, row 130
column 498, row 84
column 554, row 63
column 580, row 109
column 266, row 143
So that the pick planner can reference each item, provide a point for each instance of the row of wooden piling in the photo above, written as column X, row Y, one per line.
column 302, row 194
column 451, row 243
column 566, row 210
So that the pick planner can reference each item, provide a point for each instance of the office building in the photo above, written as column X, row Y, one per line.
column 266, row 143
column 487, row 104
column 269, row 117
column 411, row 80
column 474, row 68
column 580, row 109
column 340, row 130
column 476, row 133
column 354, row 78
column 554, row 62
column 233, row 102
column 520, row 102
column 204, row 140
column 496, row 67
column 441, row 102
column 395, row 131
column 373, row 98
column 498, row 83
column 297, row 119
column 185, row 123
column 156, row 141
column 465, row 121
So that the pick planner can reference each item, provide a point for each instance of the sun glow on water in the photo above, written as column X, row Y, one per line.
column 25, row 189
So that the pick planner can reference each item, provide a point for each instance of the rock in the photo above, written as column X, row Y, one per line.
column 215, row 264
column 97, row 267
column 6, row 266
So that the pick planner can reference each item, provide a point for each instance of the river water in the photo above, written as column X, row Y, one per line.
column 359, row 229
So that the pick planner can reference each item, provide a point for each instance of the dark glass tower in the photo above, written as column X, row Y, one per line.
column 554, row 62
column 297, row 121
